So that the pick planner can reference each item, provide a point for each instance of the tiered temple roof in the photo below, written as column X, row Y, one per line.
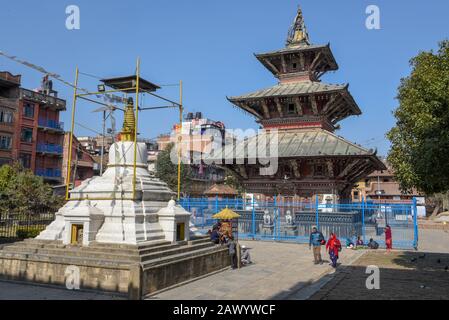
column 300, row 114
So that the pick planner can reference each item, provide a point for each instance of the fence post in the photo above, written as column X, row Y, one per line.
column 275, row 216
column 317, row 220
column 253, row 220
column 415, row 224
column 216, row 203
column 363, row 220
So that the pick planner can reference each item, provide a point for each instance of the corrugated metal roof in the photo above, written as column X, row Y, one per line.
column 294, row 143
column 291, row 89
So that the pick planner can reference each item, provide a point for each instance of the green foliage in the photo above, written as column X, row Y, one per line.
column 29, row 232
column 232, row 180
column 420, row 140
column 167, row 171
column 21, row 192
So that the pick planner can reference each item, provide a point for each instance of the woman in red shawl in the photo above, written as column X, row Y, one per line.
column 388, row 238
column 333, row 246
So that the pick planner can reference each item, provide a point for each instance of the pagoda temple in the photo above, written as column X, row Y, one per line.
column 305, row 112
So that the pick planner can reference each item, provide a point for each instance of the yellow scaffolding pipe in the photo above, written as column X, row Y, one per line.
column 135, row 126
column 69, row 160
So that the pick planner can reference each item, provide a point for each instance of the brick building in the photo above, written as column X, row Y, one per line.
column 83, row 163
column 30, row 130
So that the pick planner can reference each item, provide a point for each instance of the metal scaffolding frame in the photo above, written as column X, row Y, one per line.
column 137, row 89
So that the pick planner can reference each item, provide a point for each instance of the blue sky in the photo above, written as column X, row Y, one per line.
column 210, row 44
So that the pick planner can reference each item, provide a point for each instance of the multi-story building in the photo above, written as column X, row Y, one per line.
column 9, row 95
column 36, row 141
column 199, row 135
column 381, row 185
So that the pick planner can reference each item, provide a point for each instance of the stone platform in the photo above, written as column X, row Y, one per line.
column 130, row 270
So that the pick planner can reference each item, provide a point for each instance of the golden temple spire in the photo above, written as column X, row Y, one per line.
column 297, row 34
column 129, row 122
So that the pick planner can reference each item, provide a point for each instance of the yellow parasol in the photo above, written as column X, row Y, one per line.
column 226, row 214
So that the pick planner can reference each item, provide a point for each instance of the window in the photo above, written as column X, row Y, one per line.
column 319, row 170
column 291, row 108
column 28, row 110
column 6, row 116
column 25, row 160
column 356, row 195
column 5, row 142
column 294, row 66
column 26, row 135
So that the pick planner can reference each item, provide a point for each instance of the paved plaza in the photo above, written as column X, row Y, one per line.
column 279, row 271
column 404, row 275
column 286, row 271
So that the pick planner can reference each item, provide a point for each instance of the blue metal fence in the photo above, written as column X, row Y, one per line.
column 293, row 221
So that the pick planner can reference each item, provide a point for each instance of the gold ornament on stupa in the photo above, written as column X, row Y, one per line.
column 129, row 122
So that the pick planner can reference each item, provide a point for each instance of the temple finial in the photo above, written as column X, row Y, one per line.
column 297, row 34
column 129, row 122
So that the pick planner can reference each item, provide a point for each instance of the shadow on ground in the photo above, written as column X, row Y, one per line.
column 403, row 276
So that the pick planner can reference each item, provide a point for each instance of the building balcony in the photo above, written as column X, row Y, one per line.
column 49, row 149
column 10, row 103
column 51, row 125
column 49, row 173
column 9, row 80
column 42, row 99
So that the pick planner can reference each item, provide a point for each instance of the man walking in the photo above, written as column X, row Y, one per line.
column 316, row 240
column 232, row 251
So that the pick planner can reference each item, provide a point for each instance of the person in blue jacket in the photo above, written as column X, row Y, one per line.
column 316, row 240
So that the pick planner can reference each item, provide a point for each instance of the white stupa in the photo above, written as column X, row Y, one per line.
column 100, row 208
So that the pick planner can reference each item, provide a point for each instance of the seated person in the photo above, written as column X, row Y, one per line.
column 373, row 244
column 359, row 241
column 246, row 257
column 349, row 243
column 215, row 236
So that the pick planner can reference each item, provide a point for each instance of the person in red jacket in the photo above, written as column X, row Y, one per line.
column 333, row 246
column 388, row 238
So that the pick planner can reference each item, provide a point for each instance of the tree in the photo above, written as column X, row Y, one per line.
column 232, row 180
column 419, row 153
column 22, row 192
column 167, row 171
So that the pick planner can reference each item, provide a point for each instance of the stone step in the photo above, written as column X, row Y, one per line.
column 73, row 260
column 75, row 252
column 163, row 247
column 179, row 256
column 33, row 247
column 175, row 251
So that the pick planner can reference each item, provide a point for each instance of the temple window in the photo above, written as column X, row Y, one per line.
column 318, row 170
column 291, row 108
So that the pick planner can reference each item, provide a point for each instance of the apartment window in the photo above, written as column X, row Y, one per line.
column 25, row 160
column 26, row 135
column 4, row 161
column 28, row 110
column 5, row 142
column 6, row 116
